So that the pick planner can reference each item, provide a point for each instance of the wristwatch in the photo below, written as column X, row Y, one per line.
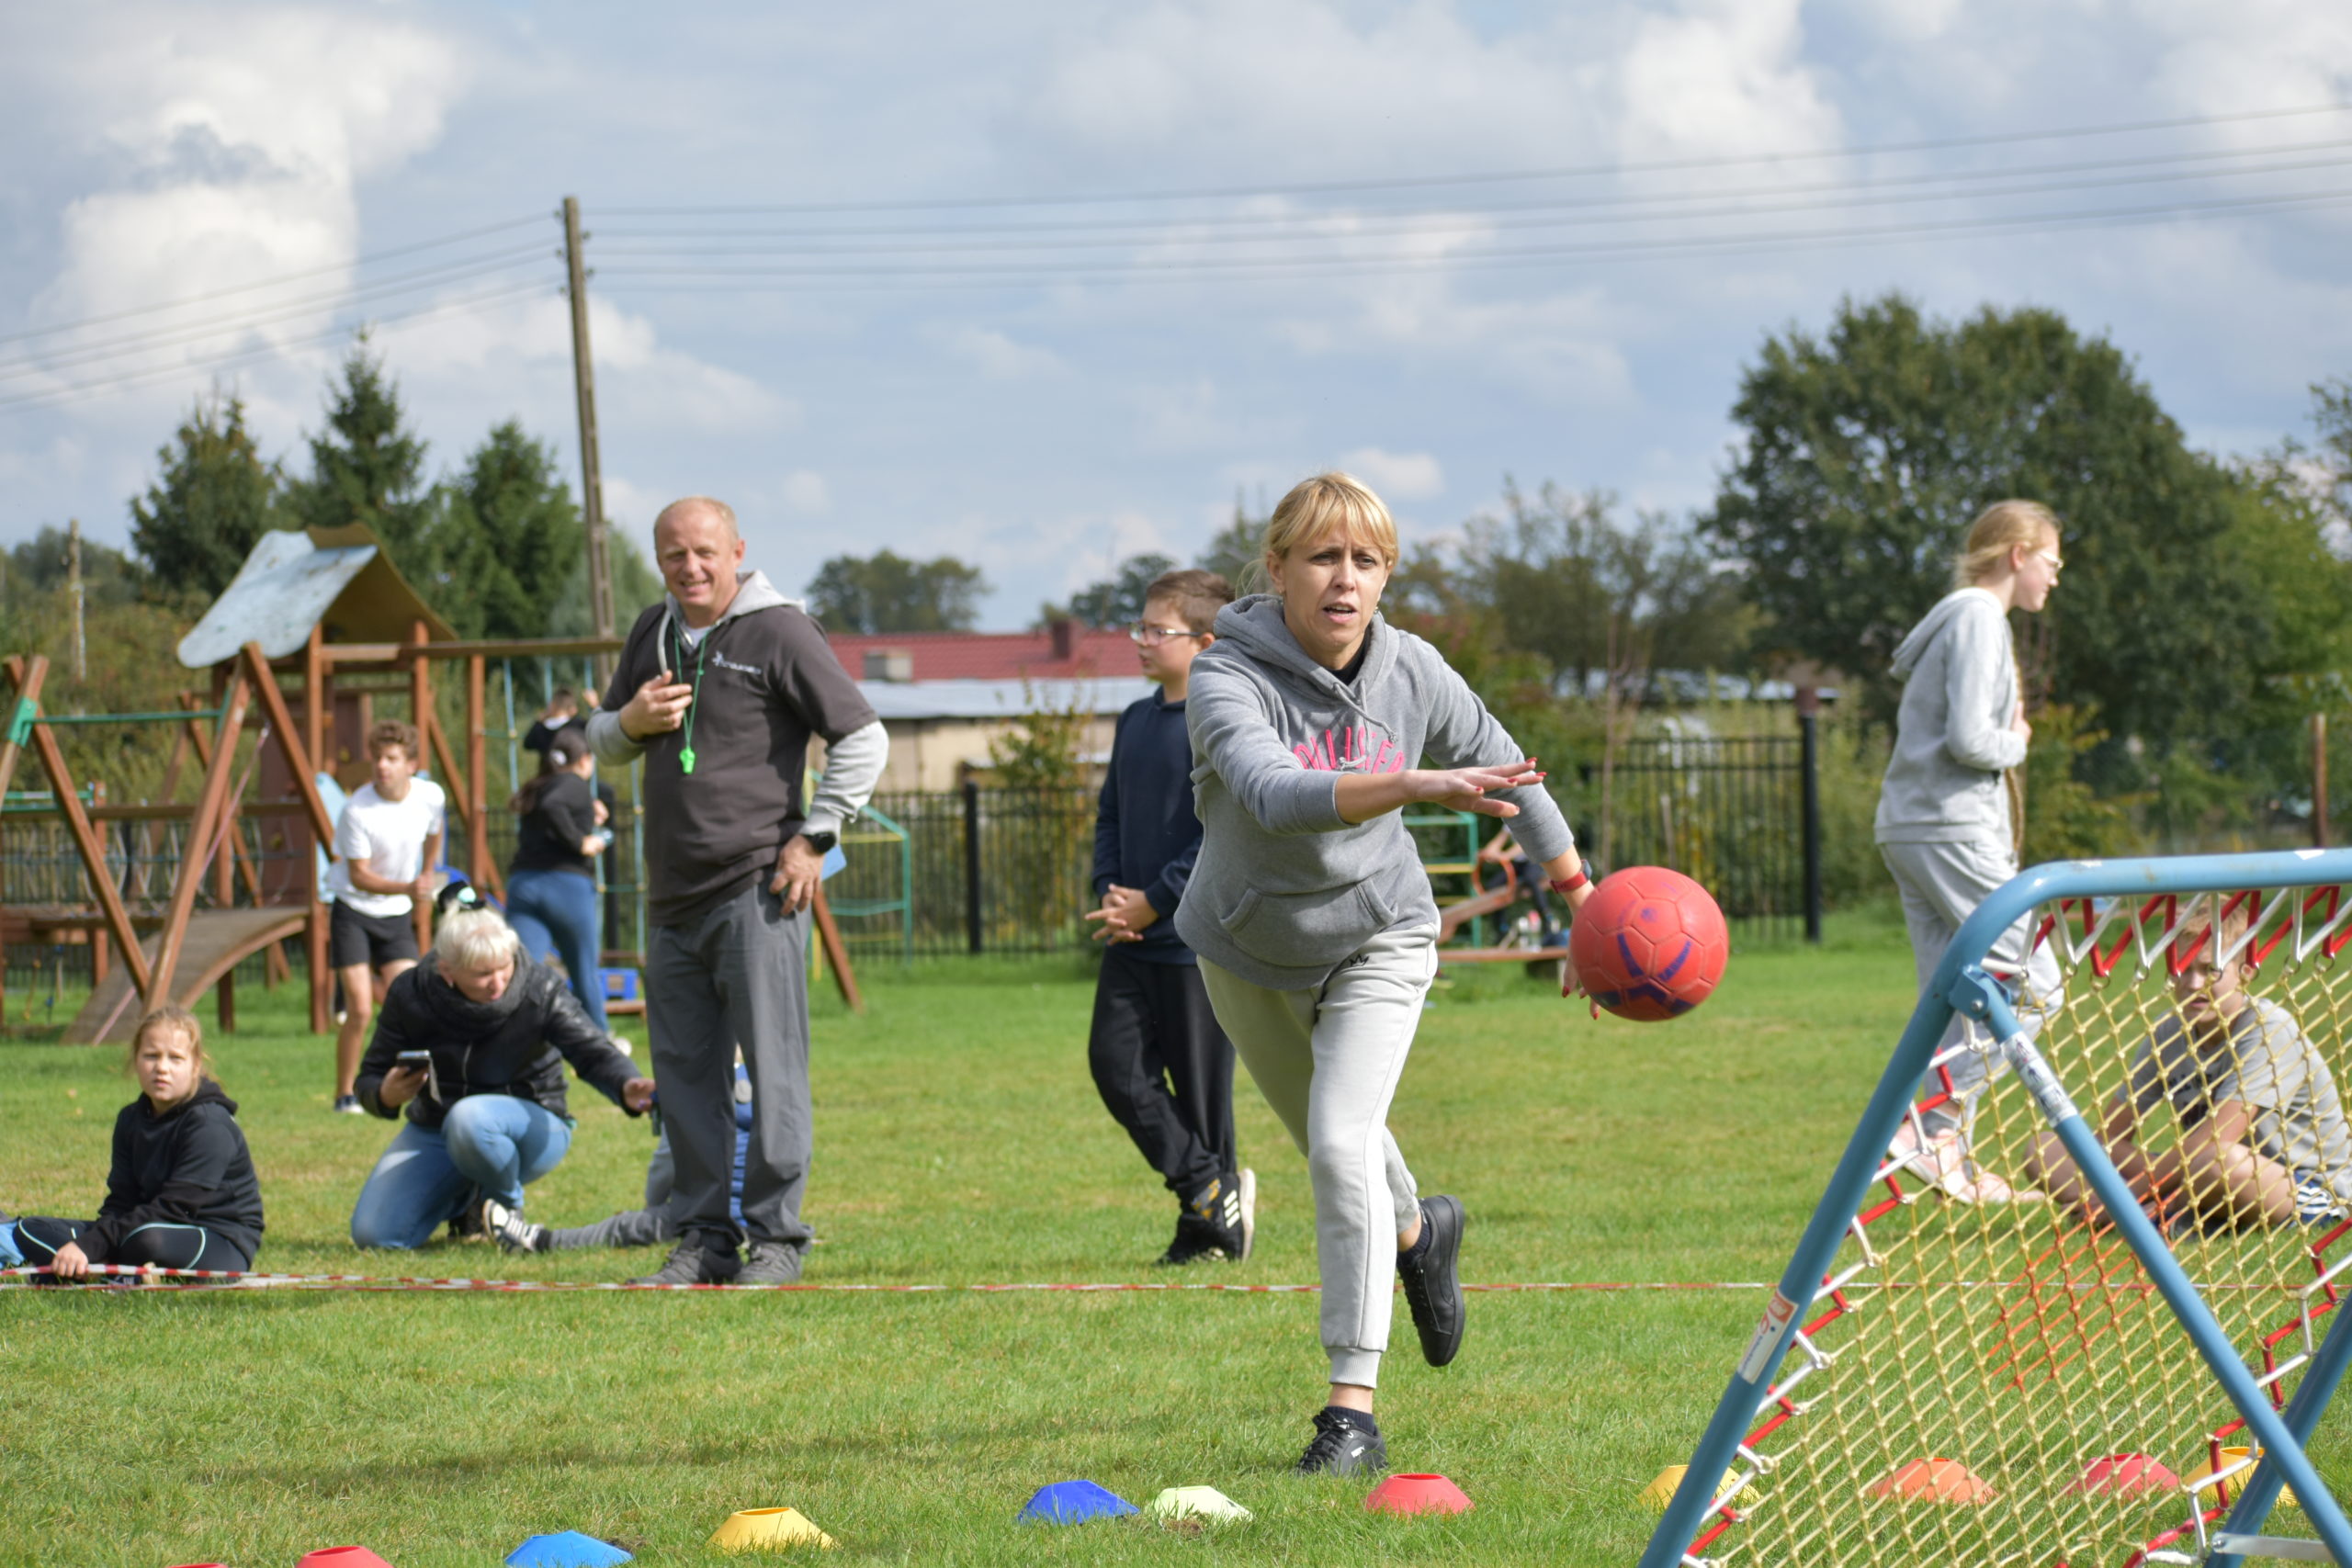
column 823, row 842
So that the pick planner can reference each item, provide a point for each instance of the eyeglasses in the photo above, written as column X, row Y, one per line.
column 1152, row 637
column 2050, row 558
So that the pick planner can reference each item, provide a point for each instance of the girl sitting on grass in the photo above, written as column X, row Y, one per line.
column 181, row 1192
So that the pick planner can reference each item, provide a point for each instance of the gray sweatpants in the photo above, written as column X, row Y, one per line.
column 736, row 977
column 1941, row 884
column 1327, row 1058
column 632, row 1228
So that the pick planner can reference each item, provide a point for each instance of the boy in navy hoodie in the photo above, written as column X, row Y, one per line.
column 1163, row 1067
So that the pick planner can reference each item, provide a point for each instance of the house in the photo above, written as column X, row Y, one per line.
column 943, row 696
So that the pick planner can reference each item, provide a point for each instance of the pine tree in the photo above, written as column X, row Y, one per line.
column 214, row 500
column 367, row 467
column 509, row 540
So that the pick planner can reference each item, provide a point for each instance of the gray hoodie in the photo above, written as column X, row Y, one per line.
column 1284, row 890
column 1952, row 740
column 766, row 682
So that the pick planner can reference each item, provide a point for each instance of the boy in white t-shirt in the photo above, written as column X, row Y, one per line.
column 386, row 844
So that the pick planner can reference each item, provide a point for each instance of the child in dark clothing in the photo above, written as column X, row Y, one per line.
column 181, row 1192
column 1163, row 1067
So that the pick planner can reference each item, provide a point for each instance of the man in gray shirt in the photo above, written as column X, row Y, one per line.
column 718, row 689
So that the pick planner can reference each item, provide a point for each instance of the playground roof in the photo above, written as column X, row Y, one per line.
column 1082, row 652
column 338, row 578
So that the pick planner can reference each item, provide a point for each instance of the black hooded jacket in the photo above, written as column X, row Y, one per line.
column 514, row 1046
column 187, row 1166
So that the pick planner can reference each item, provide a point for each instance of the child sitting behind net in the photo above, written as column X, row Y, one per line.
column 2262, row 1138
column 181, row 1191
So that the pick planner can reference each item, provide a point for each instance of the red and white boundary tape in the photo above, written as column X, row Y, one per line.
column 115, row 1276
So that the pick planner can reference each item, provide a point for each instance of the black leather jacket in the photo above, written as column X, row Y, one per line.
column 514, row 1046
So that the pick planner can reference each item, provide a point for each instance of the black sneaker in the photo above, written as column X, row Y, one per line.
column 1432, row 1278
column 1342, row 1448
column 769, row 1263
column 693, row 1262
column 510, row 1230
column 1225, row 1214
column 1196, row 1241
column 348, row 1105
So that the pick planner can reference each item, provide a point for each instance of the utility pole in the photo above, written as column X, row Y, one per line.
column 592, row 481
column 73, row 588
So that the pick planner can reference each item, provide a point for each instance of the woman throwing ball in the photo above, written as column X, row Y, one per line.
column 1313, row 918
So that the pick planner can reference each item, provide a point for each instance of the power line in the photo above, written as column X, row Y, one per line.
column 1208, row 193
column 271, row 282
column 1321, row 228
column 1257, row 220
column 1262, row 269
column 463, row 271
column 34, row 401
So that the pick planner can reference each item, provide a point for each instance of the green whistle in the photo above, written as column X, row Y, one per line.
column 687, row 759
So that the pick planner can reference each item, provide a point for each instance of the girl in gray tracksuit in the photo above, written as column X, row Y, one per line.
column 1945, row 812
column 1309, row 717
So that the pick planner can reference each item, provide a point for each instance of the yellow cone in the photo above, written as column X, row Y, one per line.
column 2230, row 1456
column 768, row 1530
column 1659, row 1493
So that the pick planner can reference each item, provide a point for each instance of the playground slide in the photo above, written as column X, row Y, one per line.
column 216, row 942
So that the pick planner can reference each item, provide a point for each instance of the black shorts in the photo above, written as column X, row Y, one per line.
column 373, row 940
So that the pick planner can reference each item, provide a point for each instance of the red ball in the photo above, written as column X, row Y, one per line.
column 1649, row 943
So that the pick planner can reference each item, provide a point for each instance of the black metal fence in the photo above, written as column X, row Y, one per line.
column 982, row 871
column 1728, row 811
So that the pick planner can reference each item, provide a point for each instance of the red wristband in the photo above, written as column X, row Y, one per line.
column 1565, row 885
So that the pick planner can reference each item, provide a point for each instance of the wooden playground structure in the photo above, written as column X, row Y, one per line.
column 226, row 904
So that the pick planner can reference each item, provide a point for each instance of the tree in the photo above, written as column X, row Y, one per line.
column 367, row 467
column 211, row 501
column 38, row 566
column 1868, row 450
column 508, row 541
column 887, row 592
column 1118, row 600
column 1236, row 551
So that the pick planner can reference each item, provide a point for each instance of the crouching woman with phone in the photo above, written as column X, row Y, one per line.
column 471, row 1044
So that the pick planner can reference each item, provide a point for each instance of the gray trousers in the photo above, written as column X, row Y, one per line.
column 1327, row 1058
column 737, row 977
column 1941, row 884
column 631, row 1227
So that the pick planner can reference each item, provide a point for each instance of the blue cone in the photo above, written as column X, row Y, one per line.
column 567, row 1549
column 1071, row 1502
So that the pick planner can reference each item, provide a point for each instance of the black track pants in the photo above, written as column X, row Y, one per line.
column 1164, row 1068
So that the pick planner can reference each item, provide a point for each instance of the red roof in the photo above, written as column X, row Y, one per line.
column 1059, row 653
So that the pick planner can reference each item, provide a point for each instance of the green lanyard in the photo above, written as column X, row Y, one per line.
column 694, row 702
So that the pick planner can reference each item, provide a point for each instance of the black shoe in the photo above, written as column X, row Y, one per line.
column 1225, row 1215
column 1342, row 1448
column 1432, row 1278
column 769, row 1263
column 468, row 1225
column 694, row 1261
column 1196, row 1241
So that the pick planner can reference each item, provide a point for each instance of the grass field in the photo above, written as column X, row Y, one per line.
column 959, row 1141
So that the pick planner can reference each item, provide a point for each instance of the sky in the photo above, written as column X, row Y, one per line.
column 1043, row 286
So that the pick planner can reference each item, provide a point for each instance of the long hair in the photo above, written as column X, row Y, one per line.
column 566, row 747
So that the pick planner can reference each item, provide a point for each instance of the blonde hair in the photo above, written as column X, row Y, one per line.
column 2198, row 938
column 1999, row 529
column 176, row 1021
column 474, row 938
column 1315, row 506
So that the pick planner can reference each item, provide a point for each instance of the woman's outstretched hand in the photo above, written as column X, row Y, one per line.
column 1466, row 789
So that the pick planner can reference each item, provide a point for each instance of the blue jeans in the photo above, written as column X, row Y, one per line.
column 555, row 911
column 490, row 1145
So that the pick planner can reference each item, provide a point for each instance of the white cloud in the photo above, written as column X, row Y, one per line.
column 805, row 492
column 998, row 357
column 1722, row 76
column 1397, row 476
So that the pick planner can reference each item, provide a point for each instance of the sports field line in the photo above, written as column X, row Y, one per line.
column 113, row 1276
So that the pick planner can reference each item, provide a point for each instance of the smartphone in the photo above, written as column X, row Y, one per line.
column 421, row 1060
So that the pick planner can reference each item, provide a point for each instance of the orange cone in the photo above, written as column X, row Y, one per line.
column 1934, row 1481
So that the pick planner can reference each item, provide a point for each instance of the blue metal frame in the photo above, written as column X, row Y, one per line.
column 1816, row 1249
